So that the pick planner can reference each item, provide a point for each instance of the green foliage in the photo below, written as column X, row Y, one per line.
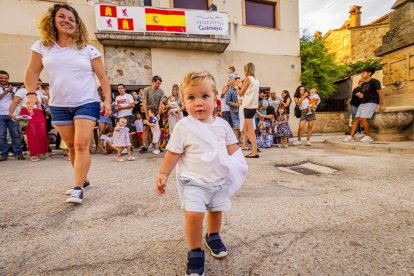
column 318, row 67
column 357, row 67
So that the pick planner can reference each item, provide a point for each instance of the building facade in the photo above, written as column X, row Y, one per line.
column 355, row 42
column 263, row 32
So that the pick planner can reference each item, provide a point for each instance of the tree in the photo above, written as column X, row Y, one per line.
column 318, row 67
column 357, row 67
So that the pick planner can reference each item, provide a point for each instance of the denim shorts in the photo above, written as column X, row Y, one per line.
column 199, row 198
column 64, row 116
column 305, row 117
column 235, row 120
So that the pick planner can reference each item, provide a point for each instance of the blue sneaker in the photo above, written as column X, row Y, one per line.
column 85, row 185
column 195, row 264
column 216, row 246
column 76, row 196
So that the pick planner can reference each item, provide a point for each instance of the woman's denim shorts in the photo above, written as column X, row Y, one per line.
column 63, row 116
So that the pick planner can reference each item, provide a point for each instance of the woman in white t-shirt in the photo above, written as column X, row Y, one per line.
column 250, row 93
column 71, row 65
column 35, row 130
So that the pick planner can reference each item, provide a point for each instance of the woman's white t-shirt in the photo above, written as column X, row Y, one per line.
column 304, row 104
column 251, row 96
column 69, row 70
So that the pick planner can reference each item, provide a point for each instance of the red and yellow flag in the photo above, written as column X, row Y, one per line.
column 108, row 11
column 165, row 20
column 125, row 24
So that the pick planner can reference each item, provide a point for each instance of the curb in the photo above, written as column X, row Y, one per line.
column 369, row 147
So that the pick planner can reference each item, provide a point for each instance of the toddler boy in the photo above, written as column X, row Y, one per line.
column 210, row 167
column 314, row 101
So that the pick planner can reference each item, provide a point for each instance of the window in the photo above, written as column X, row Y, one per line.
column 261, row 13
column 147, row 3
column 191, row 4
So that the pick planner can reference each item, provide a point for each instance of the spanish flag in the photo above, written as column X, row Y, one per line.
column 108, row 11
column 159, row 20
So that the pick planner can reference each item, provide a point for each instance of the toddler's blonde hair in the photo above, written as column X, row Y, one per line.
column 196, row 77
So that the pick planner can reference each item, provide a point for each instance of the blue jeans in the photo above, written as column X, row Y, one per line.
column 353, row 110
column 14, row 129
column 226, row 116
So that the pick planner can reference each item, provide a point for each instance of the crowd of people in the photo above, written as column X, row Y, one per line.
column 259, row 119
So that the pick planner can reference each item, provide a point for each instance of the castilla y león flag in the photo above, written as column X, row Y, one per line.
column 108, row 11
column 159, row 20
column 125, row 24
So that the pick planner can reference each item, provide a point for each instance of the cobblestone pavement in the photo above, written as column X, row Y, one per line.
column 358, row 220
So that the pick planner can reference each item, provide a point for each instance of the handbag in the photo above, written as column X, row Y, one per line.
column 298, row 113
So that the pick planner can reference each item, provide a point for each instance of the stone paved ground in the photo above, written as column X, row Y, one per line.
column 359, row 220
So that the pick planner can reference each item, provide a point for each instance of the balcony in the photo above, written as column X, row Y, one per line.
column 136, row 25
column 216, row 44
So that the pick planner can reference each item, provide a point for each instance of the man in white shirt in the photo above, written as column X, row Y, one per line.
column 124, row 103
column 6, row 123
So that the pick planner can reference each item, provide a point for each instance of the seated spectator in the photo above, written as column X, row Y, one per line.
column 106, row 141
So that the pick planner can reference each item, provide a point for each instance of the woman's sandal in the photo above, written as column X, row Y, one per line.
column 252, row 156
column 245, row 148
column 35, row 158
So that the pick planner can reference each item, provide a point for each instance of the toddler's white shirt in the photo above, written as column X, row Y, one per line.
column 192, row 147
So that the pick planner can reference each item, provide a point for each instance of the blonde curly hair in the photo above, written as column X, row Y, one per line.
column 48, row 31
column 196, row 77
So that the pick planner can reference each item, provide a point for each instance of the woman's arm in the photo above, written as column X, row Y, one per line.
column 99, row 70
column 245, row 84
column 15, row 102
column 268, row 116
column 287, row 103
column 298, row 101
column 31, row 78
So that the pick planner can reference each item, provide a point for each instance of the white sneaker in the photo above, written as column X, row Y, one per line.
column 156, row 151
column 359, row 135
column 85, row 185
column 120, row 160
column 349, row 139
column 367, row 139
column 150, row 146
column 124, row 151
column 308, row 143
column 76, row 196
column 131, row 158
column 297, row 143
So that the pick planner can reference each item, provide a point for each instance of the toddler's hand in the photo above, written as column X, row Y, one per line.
column 161, row 183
